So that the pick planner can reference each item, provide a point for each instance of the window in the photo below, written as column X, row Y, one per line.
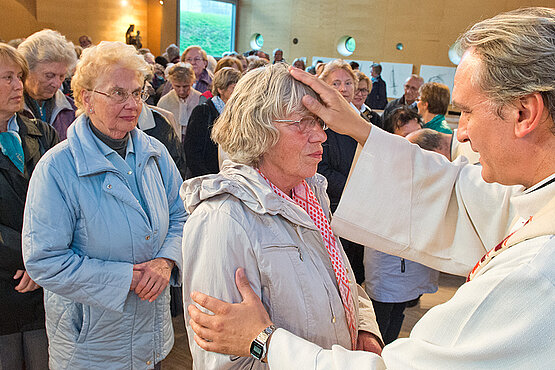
column 209, row 24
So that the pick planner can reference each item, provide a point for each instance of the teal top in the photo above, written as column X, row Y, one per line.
column 438, row 123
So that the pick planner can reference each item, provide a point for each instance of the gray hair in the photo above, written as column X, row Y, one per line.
column 48, row 46
column 245, row 130
column 517, row 50
column 182, row 72
column 173, row 52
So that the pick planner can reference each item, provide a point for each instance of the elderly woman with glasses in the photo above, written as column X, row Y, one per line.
column 198, row 58
column 103, row 224
column 267, row 210
column 361, row 93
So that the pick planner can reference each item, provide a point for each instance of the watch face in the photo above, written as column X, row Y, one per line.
column 257, row 350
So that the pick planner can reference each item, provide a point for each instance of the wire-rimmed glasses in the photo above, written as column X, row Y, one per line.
column 120, row 96
column 306, row 123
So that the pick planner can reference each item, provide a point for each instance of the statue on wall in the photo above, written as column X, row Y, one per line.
column 135, row 40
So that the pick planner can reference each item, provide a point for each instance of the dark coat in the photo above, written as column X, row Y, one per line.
column 337, row 158
column 372, row 117
column 377, row 99
column 19, row 311
column 201, row 152
column 165, row 133
column 394, row 104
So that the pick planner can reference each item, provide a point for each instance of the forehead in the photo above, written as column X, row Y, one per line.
column 120, row 78
column 193, row 53
column 465, row 91
column 180, row 82
column 51, row 67
column 413, row 82
column 339, row 74
column 362, row 84
column 8, row 65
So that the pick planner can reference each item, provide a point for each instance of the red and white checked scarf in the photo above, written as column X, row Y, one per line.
column 502, row 246
column 305, row 198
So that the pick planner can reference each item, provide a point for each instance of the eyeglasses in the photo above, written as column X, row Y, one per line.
column 120, row 96
column 362, row 91
column 196, row 60
column 305, row 124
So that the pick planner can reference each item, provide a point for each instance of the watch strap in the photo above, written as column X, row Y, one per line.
column 259, row 344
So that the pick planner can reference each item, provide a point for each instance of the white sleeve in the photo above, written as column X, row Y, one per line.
column 287, row 351
column 416, row 204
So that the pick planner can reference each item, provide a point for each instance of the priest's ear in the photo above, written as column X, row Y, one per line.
column 532, row 113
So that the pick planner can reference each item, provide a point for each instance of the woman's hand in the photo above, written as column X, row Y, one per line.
column 232, row 327
column 26, row 284
column 338, row 114
column 154, row 277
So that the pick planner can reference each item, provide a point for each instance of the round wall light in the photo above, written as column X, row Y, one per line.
column 257, row 41
column 346, row 45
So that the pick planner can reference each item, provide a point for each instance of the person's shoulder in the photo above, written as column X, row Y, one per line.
column 168, row 99
column 542, row 260
column 36, row 127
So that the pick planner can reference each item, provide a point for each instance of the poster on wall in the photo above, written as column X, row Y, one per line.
column 395, row 75
column 364, row 65
column 444, row 75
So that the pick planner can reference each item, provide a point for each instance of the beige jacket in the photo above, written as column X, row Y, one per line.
column 444, row 215
column 180, row 109
column 236, row 220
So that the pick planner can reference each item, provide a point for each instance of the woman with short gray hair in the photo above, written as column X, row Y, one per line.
column 267, row 211
column 51, row 59
column 182, row 99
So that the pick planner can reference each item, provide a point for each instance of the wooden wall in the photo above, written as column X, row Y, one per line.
column 100, row 19
column 426, row 28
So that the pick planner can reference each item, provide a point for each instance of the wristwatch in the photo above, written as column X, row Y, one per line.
column 258, row 345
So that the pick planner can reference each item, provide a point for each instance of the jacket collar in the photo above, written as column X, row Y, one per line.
column 538, row 204
column 246, row 184
column 61, row 102
column 25, row 127
column 146, row 119
column 90, row 159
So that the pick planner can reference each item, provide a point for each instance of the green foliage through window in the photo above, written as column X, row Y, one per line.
column 208, row 23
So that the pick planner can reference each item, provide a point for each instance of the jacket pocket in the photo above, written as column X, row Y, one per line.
column 82, row 315
column 286, row 284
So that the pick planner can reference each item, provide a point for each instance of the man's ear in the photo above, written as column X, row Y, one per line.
column 531, row 112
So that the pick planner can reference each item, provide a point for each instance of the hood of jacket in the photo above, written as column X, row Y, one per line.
column 245, row 183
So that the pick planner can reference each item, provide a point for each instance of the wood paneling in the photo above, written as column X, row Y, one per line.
column 426, row 28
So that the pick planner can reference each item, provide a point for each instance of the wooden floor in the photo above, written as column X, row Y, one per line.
column 180, row 357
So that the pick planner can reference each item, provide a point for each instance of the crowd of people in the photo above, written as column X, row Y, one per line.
column 133, row 185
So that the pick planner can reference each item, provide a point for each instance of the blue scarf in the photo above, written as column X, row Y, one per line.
column 10, row 143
